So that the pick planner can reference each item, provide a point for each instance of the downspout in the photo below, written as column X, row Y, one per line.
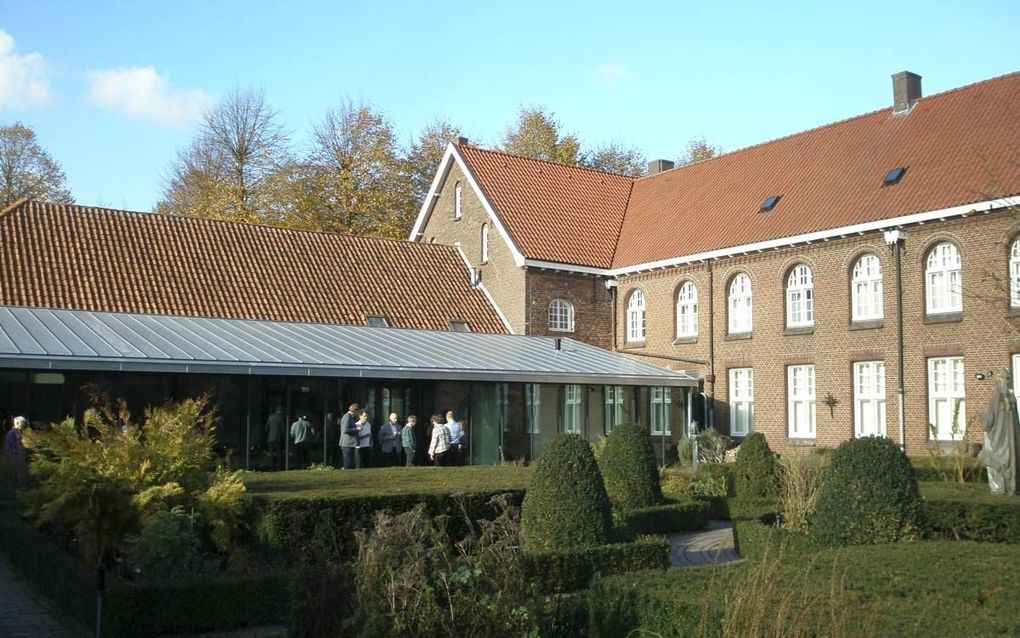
column 710, row 377
column 894, row 238
column 611, row 286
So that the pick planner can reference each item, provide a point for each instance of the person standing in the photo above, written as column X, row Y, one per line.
column 349, row 437
column 409, row 440
column 439, row 448
column 331, row 436
column 276, row 426
column 364, row 440
column 389, row 441
column 302, row 432
column 14, row 451
column 455, row 439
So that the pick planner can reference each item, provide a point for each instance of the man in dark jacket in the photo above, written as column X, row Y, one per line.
column 349, row 436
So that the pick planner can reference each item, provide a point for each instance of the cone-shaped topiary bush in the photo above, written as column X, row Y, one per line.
column 629, row 469
column 756, row 473
column 566, row 503
column 869, row 495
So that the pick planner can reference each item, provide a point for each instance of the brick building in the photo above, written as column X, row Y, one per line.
column 798, row 277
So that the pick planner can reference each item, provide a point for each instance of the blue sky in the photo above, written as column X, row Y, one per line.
column 113, row 89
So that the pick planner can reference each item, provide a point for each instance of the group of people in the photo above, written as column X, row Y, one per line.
column 351, row 443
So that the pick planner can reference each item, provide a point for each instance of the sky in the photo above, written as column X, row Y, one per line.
column 114, row 89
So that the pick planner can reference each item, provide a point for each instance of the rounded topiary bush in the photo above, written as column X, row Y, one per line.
column 629, row 469
column 566, row 503
column 756, row 472
column 869, row 495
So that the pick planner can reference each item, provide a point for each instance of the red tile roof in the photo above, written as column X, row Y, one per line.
column 554, row 212
column 81, row 258
column 961, row 146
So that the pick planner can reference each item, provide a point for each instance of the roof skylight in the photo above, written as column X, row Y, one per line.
column 894, row 176
column 769, row 203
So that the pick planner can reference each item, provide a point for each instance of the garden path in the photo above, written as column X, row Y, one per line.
column 710, row 546
column 27, row 615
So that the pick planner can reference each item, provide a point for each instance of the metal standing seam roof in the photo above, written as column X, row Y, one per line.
column 44, row 338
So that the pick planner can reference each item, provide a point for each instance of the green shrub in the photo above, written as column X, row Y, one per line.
column 668, row 518
column 629, row 470
column 756, row 472
column 574, row 569
column 566, row 504
column 756, row 539
column 869, row 495
column 165, row 547
column 968, row 469
column 659, row 603
column 989, row 522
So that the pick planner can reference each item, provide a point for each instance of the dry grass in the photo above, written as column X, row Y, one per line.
column 800, row 482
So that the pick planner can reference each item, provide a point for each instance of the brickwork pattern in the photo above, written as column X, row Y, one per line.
column 986, row 333
column 593, row 315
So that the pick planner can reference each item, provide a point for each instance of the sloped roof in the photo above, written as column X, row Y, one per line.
column 83, row 340
column 961, row 146
column 84, row 258
column 554, row 212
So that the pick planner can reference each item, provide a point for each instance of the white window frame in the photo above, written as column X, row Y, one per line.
column 572, row 408
column 800, row 304
column 800, row 401
column 614, row 406
column 741, row 382
column 532, row 407
column 485, row 243
column 687, row 310
column 636, row 316
column 458, row 200
column 869, row 398
column 946, row 398
column 942, row 278
column 740, row 302
column 1016, row 375
column 659, row 413
column 866, row 303
column 561, row 316
column 1014, row 273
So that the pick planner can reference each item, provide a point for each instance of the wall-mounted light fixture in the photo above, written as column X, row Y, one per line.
column 981, row 376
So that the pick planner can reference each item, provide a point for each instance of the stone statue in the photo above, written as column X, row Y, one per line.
column 1001, row 450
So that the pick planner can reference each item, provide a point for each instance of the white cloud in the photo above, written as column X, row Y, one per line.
column 22, row 77
column 610, row 73
column 142, row 93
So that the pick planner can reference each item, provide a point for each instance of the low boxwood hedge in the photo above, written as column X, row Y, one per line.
column 670, row 517
column 987, row 521
column 572, row 570
column 949, row 468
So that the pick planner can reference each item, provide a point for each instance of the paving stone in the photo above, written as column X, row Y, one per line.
column 710, row 546
column 29, row 616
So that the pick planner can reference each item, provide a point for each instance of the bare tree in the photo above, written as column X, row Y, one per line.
column 26, row 170
column 224, row 173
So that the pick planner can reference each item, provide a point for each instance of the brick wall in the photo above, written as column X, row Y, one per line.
column 500, row 275
column 986, row 333
column 593, row 317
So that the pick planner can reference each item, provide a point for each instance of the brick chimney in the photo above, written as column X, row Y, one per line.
column 906, row 91
column 461, row 141
column 659, row 165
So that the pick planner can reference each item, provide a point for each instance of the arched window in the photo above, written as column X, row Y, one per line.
column 561, row 315
column 942, row 280
column 485, row 243
column 687, row 310
column 800, row 303
column 740, row 304
column 866, row 289
column 1014, row 273
column 458, row 193
column 636, row 316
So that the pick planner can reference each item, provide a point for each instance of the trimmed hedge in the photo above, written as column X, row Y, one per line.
column 755, row 539
column 566, row 503
column 947, row 468
column 629, row 469
column 756, row 471
column 671, row 517
column 869, row 495
column 302, row 528
column 990, row 522
column 572, row 570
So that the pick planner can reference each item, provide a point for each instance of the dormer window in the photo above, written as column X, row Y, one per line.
column 458, row 195
column 459, row 325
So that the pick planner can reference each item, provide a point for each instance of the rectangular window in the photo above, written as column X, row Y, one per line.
column 1016, row 376
column 661, row 399
column 614, row 406
column 869, row 398
column 800, row 401
column 946, row 405
column 533, row 407
column 741, row 401
column 572, row 408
